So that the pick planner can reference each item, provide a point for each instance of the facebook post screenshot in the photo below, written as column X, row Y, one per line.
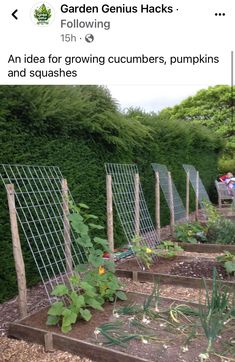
column 117, row 181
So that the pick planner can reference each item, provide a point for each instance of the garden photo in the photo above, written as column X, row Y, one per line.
column 117, row 223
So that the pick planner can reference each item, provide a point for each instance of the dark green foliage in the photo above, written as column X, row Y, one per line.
column 78, row 128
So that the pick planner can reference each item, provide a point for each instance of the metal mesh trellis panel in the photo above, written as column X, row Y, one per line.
column 179, row 209
column 202, row 193
column 125, row 199
column 39, row 201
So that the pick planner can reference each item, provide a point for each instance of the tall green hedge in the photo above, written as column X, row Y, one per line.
column 79, row 129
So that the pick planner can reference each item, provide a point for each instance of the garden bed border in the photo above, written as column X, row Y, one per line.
column 206, row 248
column 53, row 341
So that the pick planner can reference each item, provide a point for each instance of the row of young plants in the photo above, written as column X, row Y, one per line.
column 167, row 249
column 141, row 321
column 93, row 282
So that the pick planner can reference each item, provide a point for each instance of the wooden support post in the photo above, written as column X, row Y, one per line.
column 48, row 341
column 157, row 205
column 109, row 196
column 67, row 236
column 197, row 195
column 17, row 252
column 187, row 196
column 137, row 204
column 172, row 214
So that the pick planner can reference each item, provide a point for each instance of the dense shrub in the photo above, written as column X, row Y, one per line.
column 79, row 129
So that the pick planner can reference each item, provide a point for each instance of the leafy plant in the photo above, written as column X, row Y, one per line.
column 169, row 249
column 228, row 261
column 212, row 213
column 72, row 306
column 99, row 272
column 216, row 312
column 220, row 230
column 97, row 281
column 190, row 232
column 143, row 253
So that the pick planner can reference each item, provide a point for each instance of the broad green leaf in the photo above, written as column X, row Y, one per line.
column 93, row 303
column 78, row 300
column 56, row 309
column 75, row 218
column 84, row 241
column 60, row 290
column 83, row 206
column 230, row 266
column 94, row 226
column 69, row 317
column 52, row 320
column 101, row 241
column 95, row 261
column 89, row 289
column 121, row 295
column 90, row 216
column 66, row 329
column 86, row 314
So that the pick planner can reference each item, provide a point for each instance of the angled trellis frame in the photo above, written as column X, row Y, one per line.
column 173, row 199
column 124, row 188
column 201, row 195
column 38, row 195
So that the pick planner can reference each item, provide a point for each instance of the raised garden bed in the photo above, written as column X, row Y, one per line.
column 182, row 270
column 162, row 339
column 207, row 248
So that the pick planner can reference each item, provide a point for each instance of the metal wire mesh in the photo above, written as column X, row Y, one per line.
column 39, row 202
column 179, row 209
column 130, row 204
column 202, row 193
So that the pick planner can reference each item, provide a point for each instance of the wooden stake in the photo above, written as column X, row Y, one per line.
column 137, row 204
column 109, row 195
column 67, row 236
column 197, row 195
column 17, row 252
column 48, row 341
column 187, row 196
column 157, row 204
column 172, row 214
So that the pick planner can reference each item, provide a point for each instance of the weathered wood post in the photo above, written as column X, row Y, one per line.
column 137, row 203
column 17, row 252
column 187, row 196
column 157, row 204
column 67, row 236
column 197, row 195
column 109, row 196
column 172, row 214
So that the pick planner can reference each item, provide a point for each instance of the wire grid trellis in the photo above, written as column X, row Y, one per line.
column 179, row 209
column 39, row 201
column 124, row 197
column 202, row 193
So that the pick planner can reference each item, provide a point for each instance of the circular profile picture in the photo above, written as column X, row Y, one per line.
column 42, row 14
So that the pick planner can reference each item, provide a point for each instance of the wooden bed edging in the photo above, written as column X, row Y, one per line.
column 188, row 282
column 207, row 248
column 69, row 344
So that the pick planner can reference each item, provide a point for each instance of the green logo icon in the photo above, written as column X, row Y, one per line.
column 42, row 14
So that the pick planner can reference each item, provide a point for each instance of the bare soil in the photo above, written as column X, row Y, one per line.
column 187, row 266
